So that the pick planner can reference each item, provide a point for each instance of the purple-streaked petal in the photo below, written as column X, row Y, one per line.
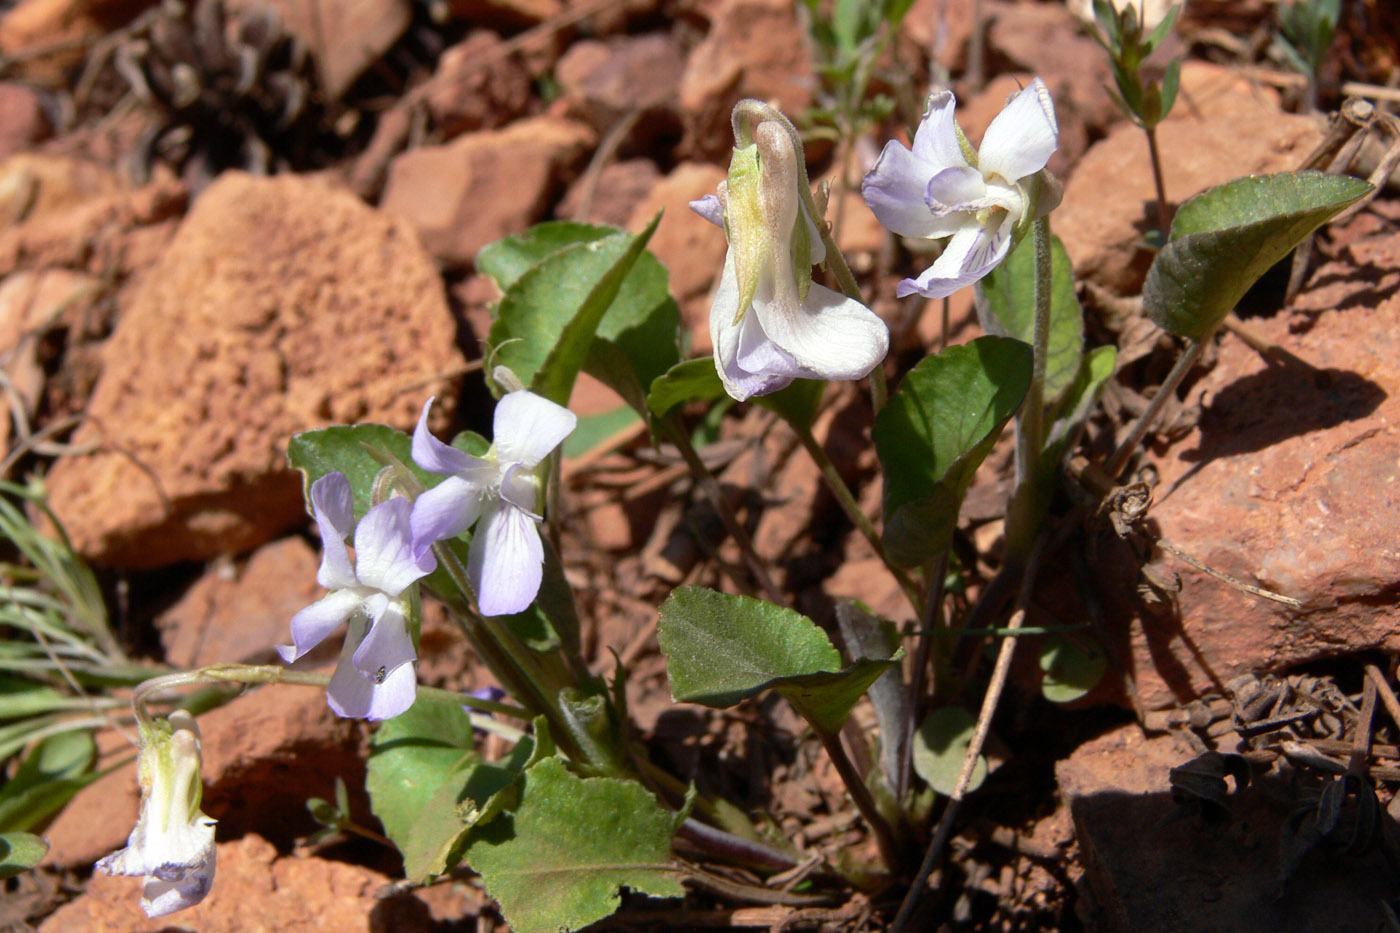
column 954, row 189
column 384, row 556
column 970, row 255
column 506, row 561
column 387, row 645
column 727, row 339
column 333, row 507
column 443, row 512
column 311, row 625
column 433, row 455
column 895, row 189
column 527, row 427
column 936, row 139
column 709, row 208
column 829, row 337
column 1021, row 139
column 355, row 696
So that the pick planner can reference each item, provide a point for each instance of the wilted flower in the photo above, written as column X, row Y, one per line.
column 502, row 493
column 375, row 678
column 172, row 845
column 770, row 323
column 982, row 199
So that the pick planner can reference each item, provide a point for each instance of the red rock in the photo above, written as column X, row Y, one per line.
column 283, row 305
column 611, row 195
column 255, row 889
column 22, row 119
column 1110, row 199
column 42, row 39
column 755, row 48
column 483, row 186
column 239, row 613
column 1046, row 39
column 506, row 14
column 632, row 78
column 939, row 30
column 344, row 37
column 477, row 86
column 1291, row 482
column 1149, row 870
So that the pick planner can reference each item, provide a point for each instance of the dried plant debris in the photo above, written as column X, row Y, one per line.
column 1200, row 788
column 221, row 89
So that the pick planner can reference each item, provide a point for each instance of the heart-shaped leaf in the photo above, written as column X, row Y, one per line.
column 940, row 745
column 558, row 859
column 936, row 430
column 20, row 852
column 1071, row 670
column 721, row 649
column 1225, row 238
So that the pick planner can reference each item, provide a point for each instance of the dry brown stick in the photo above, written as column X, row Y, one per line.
column 1223, row 577
column 1392, row 705
column 1288, row 79
column 1361, row 741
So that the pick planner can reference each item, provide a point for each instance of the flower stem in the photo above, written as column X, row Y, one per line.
column 1031, row 436
column 990, row 701
column 1168, row 390
column 1163, row 222
column 860, row 795
column 249, row 674
column 710, row 487
column 848, row 503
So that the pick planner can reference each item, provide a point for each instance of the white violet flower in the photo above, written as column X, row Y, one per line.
column 172, row 846
column 375, row 677
column 770, row 323
column 502, row 493
column 982, row 199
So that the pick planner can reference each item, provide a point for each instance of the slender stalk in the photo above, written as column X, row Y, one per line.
column 1140, row 427
column 1163, row 222
column 1030, row 436
column 734, row 848
column 848, row 503
column 860, row 795
column 249, row 674
column 933, row 612
column 710, row 487
column 990, row 701
column 879, row 389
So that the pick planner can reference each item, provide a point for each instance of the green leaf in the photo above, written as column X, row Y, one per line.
column 547, row 320
column 429, row 787
column 1071, row 670
column 1225, row 238
column 934, row 432
column 20, row 852
column 21, row 698
column 722, row 649
column 412, row 757
column 557, row 862
column 694, row 380
column 52, row 772
column 940, row 745
column 867, row 635
column 343, row 447
column 1006, row 307
column 1095, row 369
column 507, row 259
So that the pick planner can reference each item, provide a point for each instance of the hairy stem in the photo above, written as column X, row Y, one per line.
column 1163, row 220
column 860, row 795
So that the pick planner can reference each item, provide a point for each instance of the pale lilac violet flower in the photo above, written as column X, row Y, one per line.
column 500, row 493
column 983, row 199
column 375, row 677
column 172, row 846
column 769, row 322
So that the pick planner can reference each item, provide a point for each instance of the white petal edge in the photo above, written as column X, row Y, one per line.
column 527, row 427
column 830, row 336
column 443, row 512
column 387, row 645
column 936, row 138
column 311, row 625
column 970, row 255
column 433, row 455
column 1021, row 139
column 384, row 556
